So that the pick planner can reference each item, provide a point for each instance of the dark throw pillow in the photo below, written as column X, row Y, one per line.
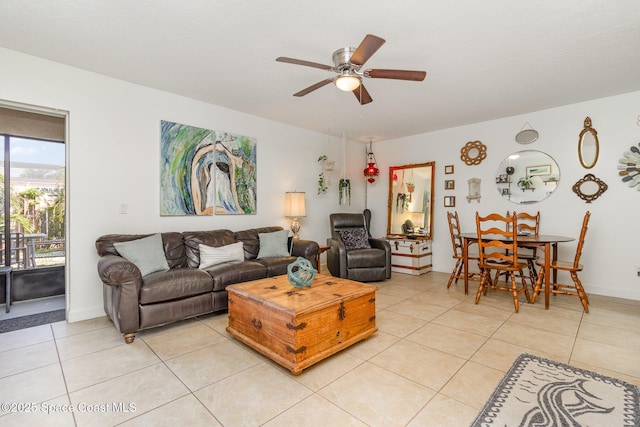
column 354, row 238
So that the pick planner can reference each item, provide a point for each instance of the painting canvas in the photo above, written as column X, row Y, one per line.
column 186, row 158
column 204, row 171
column 235, row 174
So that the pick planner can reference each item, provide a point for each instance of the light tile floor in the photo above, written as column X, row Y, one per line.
column 435, row 360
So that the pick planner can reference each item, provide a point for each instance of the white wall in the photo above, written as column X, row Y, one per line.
column 113, row 158
column 611, row 255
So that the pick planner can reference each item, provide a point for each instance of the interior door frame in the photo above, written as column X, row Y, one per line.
column 47, row 111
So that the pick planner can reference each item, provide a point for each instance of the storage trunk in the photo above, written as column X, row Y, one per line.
column 297, row 327
column 410, row 256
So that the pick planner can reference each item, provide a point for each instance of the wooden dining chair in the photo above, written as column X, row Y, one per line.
column 456, row 243
column 570, row 266
column 498, row 250
column 529, row 224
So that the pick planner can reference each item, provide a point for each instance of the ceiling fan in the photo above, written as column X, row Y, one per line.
column 347, row 63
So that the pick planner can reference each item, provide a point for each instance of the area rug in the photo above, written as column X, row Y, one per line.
column 540, row 392
column 32, row 320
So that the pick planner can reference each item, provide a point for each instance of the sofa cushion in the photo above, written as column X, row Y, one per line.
column 273, row 244
column 174, row 284
column 210, row 256
column 276, row 265
column 146, row 253
column 235, row 272
column 213, row 238
column 366, row 258
column 354, row 238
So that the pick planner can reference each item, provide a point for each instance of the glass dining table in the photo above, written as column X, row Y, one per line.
column 547, row 242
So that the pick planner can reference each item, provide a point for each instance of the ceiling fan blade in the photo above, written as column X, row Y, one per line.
column 313, row 87
column 396, row 74
column 367, row 48
column 362, row 95
column 305, row 63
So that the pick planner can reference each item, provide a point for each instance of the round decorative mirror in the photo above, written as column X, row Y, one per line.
column 588, row 145
column 527, row 176
column 526, row 135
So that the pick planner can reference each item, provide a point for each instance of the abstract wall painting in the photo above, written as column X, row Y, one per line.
column 203, row 172
column 235, row 174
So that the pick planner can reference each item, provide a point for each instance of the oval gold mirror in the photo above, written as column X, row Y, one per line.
column 588, row 145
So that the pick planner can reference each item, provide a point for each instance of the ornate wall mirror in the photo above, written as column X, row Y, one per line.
column 527, row 176
column 410, row 205
column 473, row 153
column 588, row 145
column 589, row 188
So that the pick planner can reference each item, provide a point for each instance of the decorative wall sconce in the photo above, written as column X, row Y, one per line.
column 294, row 208
column 474, row 189
column 371, row 172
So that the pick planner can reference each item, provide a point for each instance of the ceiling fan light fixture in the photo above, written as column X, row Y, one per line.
column 347, row 82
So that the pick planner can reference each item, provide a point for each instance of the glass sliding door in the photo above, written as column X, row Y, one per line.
column 33, row 203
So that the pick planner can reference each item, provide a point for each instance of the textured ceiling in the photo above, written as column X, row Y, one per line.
column 484, row 60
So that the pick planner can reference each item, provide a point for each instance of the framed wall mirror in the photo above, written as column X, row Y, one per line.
column 527, row 176
column 588, row 145
column 410, row 204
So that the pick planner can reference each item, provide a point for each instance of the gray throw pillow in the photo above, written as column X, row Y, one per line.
column 273, row 244
column 147, row 253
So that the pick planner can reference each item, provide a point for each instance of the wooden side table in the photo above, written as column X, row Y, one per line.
column 321, row 250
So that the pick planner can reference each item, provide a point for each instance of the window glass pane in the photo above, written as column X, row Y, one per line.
column 37, row 198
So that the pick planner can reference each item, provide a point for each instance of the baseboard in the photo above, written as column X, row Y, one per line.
column 85, row 314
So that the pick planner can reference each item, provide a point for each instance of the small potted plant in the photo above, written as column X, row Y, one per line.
column 526, row 183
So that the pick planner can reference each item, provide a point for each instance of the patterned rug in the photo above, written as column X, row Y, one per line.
column 540, row 392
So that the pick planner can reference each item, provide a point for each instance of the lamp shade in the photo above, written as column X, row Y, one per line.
column 371, row 172
column 294, row 205
column 347, row 83
column 417, row 218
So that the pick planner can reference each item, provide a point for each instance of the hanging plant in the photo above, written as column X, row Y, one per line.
column 344, row 187
column 402, row 202
column 322, row 182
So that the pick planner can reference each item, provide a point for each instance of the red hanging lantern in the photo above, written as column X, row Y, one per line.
column 371, row 172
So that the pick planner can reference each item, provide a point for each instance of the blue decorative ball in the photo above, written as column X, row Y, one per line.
column 301, row 273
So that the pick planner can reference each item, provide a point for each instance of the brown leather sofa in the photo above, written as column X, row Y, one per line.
column 134, row 302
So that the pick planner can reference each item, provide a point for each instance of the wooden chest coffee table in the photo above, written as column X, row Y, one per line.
column 297, row 327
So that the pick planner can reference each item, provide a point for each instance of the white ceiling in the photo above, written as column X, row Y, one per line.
column 484, row 59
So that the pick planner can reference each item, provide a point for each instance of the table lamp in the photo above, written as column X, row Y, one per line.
column 294, row 208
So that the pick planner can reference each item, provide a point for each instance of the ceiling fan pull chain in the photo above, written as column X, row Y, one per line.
column 345, row 172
